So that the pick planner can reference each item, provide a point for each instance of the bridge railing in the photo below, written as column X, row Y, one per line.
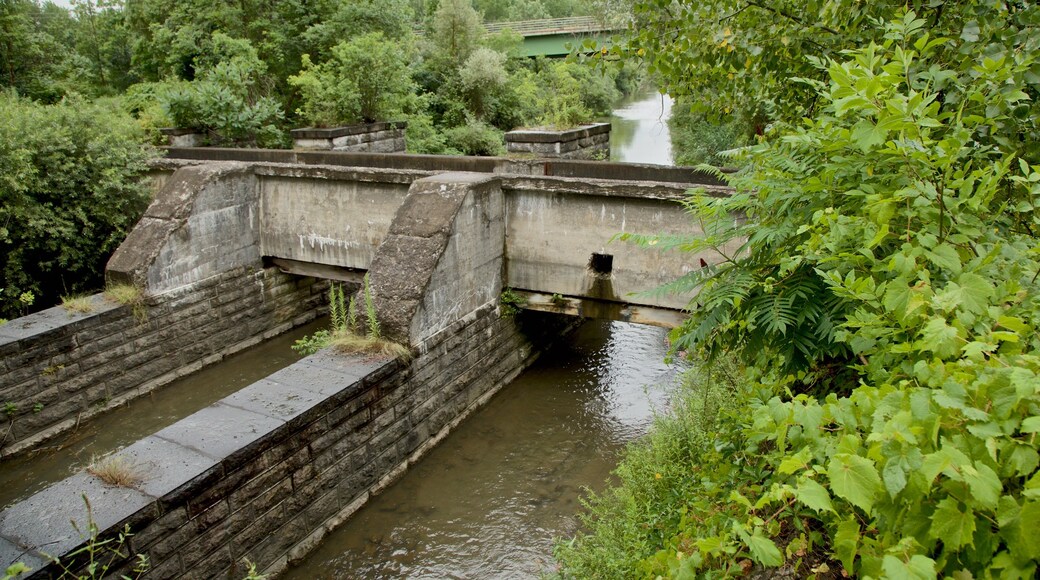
column 547, row 26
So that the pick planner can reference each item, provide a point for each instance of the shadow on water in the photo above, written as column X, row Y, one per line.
column 24, row 476
column 488, row 501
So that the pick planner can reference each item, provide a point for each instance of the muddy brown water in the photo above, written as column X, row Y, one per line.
column 64, row 456
column 488, row 501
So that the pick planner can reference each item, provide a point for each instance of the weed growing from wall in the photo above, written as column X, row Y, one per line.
column 345, row 329
column 510, row 303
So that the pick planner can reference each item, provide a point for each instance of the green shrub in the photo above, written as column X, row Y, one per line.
column 69, row 192
column 697, row 139
column 227, row 99
column 886, row 297
column 366, row 79
column 476, row 138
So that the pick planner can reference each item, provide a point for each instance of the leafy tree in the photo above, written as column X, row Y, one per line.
column 352, row 18
column 69, row 192
column 482, row 75
column 367, row 79
column 749, row 56
column 228, row 99
column 456, row 33
column 882, row 282
column 36, row 57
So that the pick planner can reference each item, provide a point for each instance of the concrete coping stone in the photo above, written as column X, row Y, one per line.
column 357, row 129
column 179, row 461
column 363, row 174
column 553, row 136
column 442, row 163
column 54, row 319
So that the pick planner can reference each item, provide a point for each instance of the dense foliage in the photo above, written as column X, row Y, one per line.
column 243, row 73
column 69, row 192
column 366, row 79
column 883, row 286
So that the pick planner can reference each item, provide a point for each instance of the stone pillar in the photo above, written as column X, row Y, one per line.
column 585, row 142
column 442, row 258
column 385, row 137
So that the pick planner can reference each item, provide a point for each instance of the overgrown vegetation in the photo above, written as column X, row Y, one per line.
column 128, row 295
column 352, row 331
column 77, row 304
column 69, row 192
column 885, row 302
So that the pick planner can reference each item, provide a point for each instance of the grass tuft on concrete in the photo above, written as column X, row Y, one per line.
column 116, row 470
column 77, row 304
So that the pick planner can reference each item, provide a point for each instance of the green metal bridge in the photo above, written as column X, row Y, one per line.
column 555, row 36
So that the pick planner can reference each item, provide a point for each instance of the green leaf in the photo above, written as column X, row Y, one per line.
column 894, row 475
column 846, row 540
column 951, row 525
column 855, row 479
column 940, row 338
column 763, row 550
column 1029, row 523
column 918, row 568
column 984, row 484
column 1031, row 425
column 813, row 495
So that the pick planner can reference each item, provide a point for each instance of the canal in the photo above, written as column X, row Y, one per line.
column 490, row 499
column 23, row 476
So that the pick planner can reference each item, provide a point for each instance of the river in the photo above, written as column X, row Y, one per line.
column 639, row 130
column 490, row 499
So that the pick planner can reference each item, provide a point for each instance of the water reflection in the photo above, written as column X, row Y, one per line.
column 488, row 501
column 639, row 130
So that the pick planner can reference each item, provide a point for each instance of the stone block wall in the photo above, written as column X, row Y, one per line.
column 385, row 137
column 265, row 474
column 585, row 142
column 58, row 368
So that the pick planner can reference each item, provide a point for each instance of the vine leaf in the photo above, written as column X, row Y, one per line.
column 846, row 540
column 855, row 479
column 918, row 568
column 763, row 550
column 951, row 525
column 813, row 495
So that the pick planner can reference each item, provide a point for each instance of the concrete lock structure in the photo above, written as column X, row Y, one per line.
column 239, row 245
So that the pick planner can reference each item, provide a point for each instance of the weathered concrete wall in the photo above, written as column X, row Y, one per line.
column 597, row 170
column 586, row 142
column 329, row 216
column 554, row 226
column 76, row 365
column 204, row 221
column 266, row 473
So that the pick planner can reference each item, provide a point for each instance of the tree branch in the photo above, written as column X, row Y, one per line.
column 791, row 17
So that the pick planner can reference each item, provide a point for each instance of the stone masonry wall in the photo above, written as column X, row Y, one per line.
column 58, row 368
column 587, row 142
column 265, row 474
column 384, row 137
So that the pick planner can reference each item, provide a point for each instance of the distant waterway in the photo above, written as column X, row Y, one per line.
column 64, row 456
column 639, row 130
column 488, row 501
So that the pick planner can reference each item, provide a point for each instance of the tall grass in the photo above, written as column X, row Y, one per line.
column 345, row 332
